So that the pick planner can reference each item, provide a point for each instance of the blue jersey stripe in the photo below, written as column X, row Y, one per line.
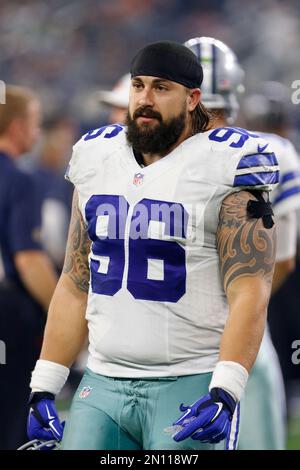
column 257, row 159
column 257, row 179
column 290, row 176
column 287, row 193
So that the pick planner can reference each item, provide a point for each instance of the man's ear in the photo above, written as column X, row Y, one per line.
column 194, row 97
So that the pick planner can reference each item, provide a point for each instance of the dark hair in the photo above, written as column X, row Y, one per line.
column 200, row 119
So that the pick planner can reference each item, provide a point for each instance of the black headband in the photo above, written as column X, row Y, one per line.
column 169, row 60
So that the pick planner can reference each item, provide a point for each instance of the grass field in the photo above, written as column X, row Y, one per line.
column 293, row 441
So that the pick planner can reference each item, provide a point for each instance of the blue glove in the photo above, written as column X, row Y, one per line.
column 208, row 419
column 43, row 422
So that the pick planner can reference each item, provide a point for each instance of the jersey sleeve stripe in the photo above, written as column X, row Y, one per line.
column 257, row 159
column 256, row 169
column 289, row 184
column 290, row 176
column 257, row 179
column 287, row 194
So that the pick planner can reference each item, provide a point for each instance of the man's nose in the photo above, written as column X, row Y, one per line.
column 146, row 97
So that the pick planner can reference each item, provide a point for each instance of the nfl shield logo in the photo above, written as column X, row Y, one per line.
column 85, row 392
column 138, row 179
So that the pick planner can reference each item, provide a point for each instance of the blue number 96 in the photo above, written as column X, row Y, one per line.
column 218, row 135
column 127, row 247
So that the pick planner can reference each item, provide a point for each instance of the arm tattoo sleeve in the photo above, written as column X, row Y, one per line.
column 78, row 246
column 245, row 246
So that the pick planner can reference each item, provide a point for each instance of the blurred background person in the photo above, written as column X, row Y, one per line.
column 263, row 421
column 29, row 279
column 58, row 136
column 48, row 167
column 116, row 100
column 269, row 111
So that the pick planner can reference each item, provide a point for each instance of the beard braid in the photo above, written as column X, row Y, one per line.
column 157, row 139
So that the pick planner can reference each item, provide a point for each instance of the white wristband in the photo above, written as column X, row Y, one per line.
column 231, row 376
column 48, row 377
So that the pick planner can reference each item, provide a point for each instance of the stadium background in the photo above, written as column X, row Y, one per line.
column 67, row 50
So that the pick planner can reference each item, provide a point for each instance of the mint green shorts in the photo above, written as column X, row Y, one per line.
column 130, row 414
column 263, row 415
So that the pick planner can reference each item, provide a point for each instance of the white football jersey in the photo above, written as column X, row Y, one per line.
column 286, row 196
column 156, row 305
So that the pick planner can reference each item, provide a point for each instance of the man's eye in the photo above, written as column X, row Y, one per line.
column 161, row 88
column 137, row 85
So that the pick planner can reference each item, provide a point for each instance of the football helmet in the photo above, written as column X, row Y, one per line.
column 37, row 444
column 223, row 76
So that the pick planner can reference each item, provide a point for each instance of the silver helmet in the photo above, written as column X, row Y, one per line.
column 223, row 76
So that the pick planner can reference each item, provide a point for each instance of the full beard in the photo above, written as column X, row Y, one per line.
column 157, row 139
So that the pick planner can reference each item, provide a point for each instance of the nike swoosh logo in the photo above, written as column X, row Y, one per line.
column 261, row 149
column 220, row 407
column 185, row 414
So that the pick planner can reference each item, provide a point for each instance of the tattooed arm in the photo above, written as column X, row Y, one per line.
column 247, row 254
column 66, row 327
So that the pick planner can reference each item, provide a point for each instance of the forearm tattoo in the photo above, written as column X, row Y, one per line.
column 245, row 246
column 78, row 247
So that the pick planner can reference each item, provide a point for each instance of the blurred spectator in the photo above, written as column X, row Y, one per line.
column 268, row 110
column 117, row 100
column 29, row 281
column 59, row 135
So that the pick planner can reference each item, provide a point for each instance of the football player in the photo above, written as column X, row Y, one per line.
column 272, row 116
column 165, row 268
column 263, row 423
